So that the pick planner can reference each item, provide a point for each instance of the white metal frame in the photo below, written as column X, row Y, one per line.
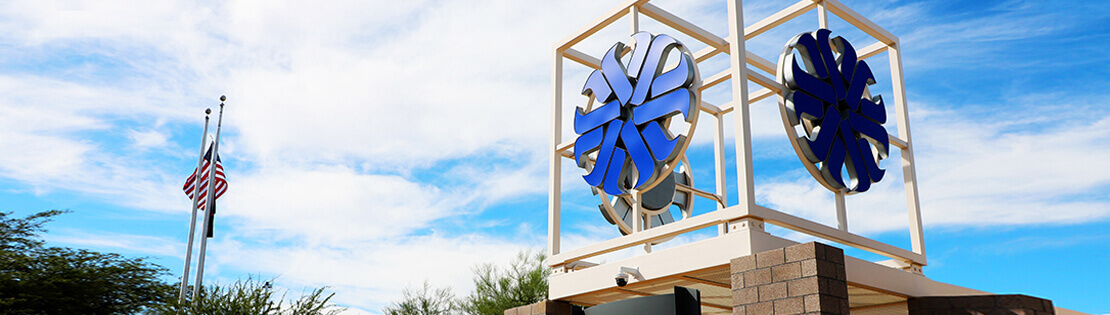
column 746, row 214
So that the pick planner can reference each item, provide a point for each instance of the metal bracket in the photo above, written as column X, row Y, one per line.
column 906, row 266
column 746, row 224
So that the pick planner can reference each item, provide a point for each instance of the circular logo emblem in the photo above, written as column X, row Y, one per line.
column 629, row 133
column 626, row 142
column 834, row 123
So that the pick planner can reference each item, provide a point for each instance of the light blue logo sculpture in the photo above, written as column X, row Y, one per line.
column 830, row 103
column 629, row 130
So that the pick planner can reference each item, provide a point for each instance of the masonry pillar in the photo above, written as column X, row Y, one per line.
column 981, row 304
column 801, row 279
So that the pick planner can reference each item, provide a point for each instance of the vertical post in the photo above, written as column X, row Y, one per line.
column 555, row 191
column 822, row 15
column 637, row 211
column 193, row 218
column 719, row 166
column 739, row 72
column 909, row 174
column 638, row 215
column 634, row 15
column 210, row 203
column 841, row 212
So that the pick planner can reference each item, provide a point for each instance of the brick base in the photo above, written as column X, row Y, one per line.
column 801, row 279
column 980, row 304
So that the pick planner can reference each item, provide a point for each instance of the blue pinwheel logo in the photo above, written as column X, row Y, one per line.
column 629, row 132
column 830, row 100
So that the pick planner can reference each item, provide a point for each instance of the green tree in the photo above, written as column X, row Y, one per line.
column 250, row 297
column 427, row 301
column 35, row 279
column 521, row 283
column 496, row 290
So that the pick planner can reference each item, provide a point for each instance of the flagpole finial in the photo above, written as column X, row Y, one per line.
column 223, row 98
column 207, row 111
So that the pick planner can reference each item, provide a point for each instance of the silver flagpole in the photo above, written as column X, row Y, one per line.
column 193, row 218
column 210, row 203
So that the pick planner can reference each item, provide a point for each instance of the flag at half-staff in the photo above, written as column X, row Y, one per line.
column 192, row 185
column 197, row 187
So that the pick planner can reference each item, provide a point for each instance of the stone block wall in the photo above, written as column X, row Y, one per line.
column 801, row 279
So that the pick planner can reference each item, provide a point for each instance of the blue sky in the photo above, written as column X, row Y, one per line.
column 366, row 142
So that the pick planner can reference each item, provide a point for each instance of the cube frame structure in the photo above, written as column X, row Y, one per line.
column 705, row 264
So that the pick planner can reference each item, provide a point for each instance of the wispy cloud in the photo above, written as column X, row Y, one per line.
column 119, row 242
column 369, row 274
column 973, row 173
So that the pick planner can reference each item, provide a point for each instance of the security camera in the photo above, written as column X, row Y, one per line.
column 622, row 279
column 627, row 272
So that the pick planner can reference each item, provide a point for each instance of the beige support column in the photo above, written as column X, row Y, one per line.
column 739, row 74
column 841, row 212
column 634, row 15
column 917, row 236
column 637, row 211
column 719, row 166
column 555, row 190
column 822, row 15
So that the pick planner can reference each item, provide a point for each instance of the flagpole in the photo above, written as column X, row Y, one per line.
column 210, row 204
column 193, row 218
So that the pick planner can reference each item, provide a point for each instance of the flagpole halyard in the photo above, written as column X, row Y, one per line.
column 193, row 218
column 210, row 204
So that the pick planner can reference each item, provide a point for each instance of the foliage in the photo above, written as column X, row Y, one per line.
column 427, row 301
column 35, row 279
column 495, row 290
column 21, row 235
column 250, row 297
column 523, row 282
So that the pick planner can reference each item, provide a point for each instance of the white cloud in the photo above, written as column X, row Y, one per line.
column 371, row 274
column 148, row 138
column 54, row 127
column 44, row 21
column 128, row 243
column 974, row 172
column 335, row 204
column 386, row 86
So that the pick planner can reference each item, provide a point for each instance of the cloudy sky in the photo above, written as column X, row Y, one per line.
column 373, row 145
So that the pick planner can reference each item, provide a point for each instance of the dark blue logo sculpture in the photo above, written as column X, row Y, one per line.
column 629, row 131
column 829, row 98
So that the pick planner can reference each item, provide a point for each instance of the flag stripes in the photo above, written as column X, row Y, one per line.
column 192, row 182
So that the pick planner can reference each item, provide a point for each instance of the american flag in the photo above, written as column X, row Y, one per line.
column 221, row 181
